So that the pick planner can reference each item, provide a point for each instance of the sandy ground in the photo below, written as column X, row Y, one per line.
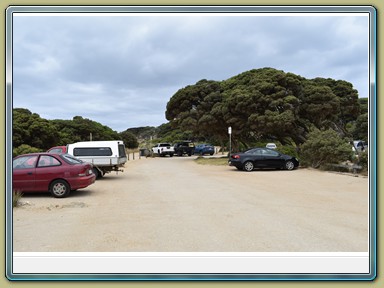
column 175, row 205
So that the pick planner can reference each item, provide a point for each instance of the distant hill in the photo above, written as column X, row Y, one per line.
column 144, row 133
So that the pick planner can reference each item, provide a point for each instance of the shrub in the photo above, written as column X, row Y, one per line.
column 24, row 149
column 16, row 196
column 289, row 150
column 324, row 147
column 362, row 160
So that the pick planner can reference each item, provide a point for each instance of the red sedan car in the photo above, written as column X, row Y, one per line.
column 58, row 149
column 57, row 173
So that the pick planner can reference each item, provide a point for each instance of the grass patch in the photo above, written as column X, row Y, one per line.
column 212, row 161
column 16, row 196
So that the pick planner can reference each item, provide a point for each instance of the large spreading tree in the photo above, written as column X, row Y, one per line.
column 264, row 104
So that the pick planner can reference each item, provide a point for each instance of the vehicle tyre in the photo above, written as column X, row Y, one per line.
column 189, row 154
column 179, row 153
column 96, row 172
column 289, row 165
column 248, row 166
column 59, row 189
column 211, row 154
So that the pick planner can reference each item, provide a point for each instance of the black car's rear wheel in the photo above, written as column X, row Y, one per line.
column 289, row 165
column 59, row 189
column 248, row 166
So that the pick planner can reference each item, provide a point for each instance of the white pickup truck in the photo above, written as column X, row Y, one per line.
column 106, row 156
column 163, row 149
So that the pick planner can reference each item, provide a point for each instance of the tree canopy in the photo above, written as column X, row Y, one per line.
column 30, row 130
column 264, row 104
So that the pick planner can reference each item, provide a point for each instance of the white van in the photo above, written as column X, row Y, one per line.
column 359, row 146
column 106, row 156
column 271, row 146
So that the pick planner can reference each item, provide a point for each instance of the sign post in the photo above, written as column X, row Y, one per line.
column 230, row 140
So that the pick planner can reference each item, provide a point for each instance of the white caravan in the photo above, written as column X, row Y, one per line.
column 106, row 156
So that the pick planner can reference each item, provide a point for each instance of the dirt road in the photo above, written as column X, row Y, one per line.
column 175, row 205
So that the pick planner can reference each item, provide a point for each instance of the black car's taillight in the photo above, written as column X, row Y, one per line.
column 235, row 156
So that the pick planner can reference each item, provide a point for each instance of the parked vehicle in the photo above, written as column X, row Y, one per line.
column 105, row 156
column 55, row 173
column 163, row 149
column 58, row 149
column 184, row 147
column 359, row 146
column 204, row 149
column 271, row 146
column 262, row 158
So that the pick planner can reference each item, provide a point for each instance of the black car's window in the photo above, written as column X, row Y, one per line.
column 25, row 162
column 48, row 161
column 254, row 152
column 268, row 152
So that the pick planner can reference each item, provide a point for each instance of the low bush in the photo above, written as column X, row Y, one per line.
column 25, row 149
column 323, row 148
column 16, row 196
column 289, row 150
column 362, row 160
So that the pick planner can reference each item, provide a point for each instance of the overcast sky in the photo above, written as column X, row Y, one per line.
column 121, row 71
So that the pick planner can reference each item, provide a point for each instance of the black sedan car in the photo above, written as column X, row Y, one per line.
column 262, row 158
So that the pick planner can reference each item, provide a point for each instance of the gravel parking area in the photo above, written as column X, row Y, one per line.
column 175, row 205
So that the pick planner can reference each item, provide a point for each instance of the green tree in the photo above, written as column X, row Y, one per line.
column 24, row 149
column 319, row 105
column 360, row 128
column 363, row 102
column 81, row 129
column 28, row 128
column 263, row 104
column 347, row 96
column 129, row 139
column 325, row 147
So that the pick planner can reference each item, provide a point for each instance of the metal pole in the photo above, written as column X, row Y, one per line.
column 230, row 144
column 230, row 141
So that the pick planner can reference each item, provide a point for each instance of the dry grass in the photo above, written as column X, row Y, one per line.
column 212, row 161
column 16, row 196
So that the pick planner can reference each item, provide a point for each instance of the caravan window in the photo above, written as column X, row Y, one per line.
column 92, row 151
column 121, row 150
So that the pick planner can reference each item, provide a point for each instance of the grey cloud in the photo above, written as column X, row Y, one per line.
column 139, row 62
